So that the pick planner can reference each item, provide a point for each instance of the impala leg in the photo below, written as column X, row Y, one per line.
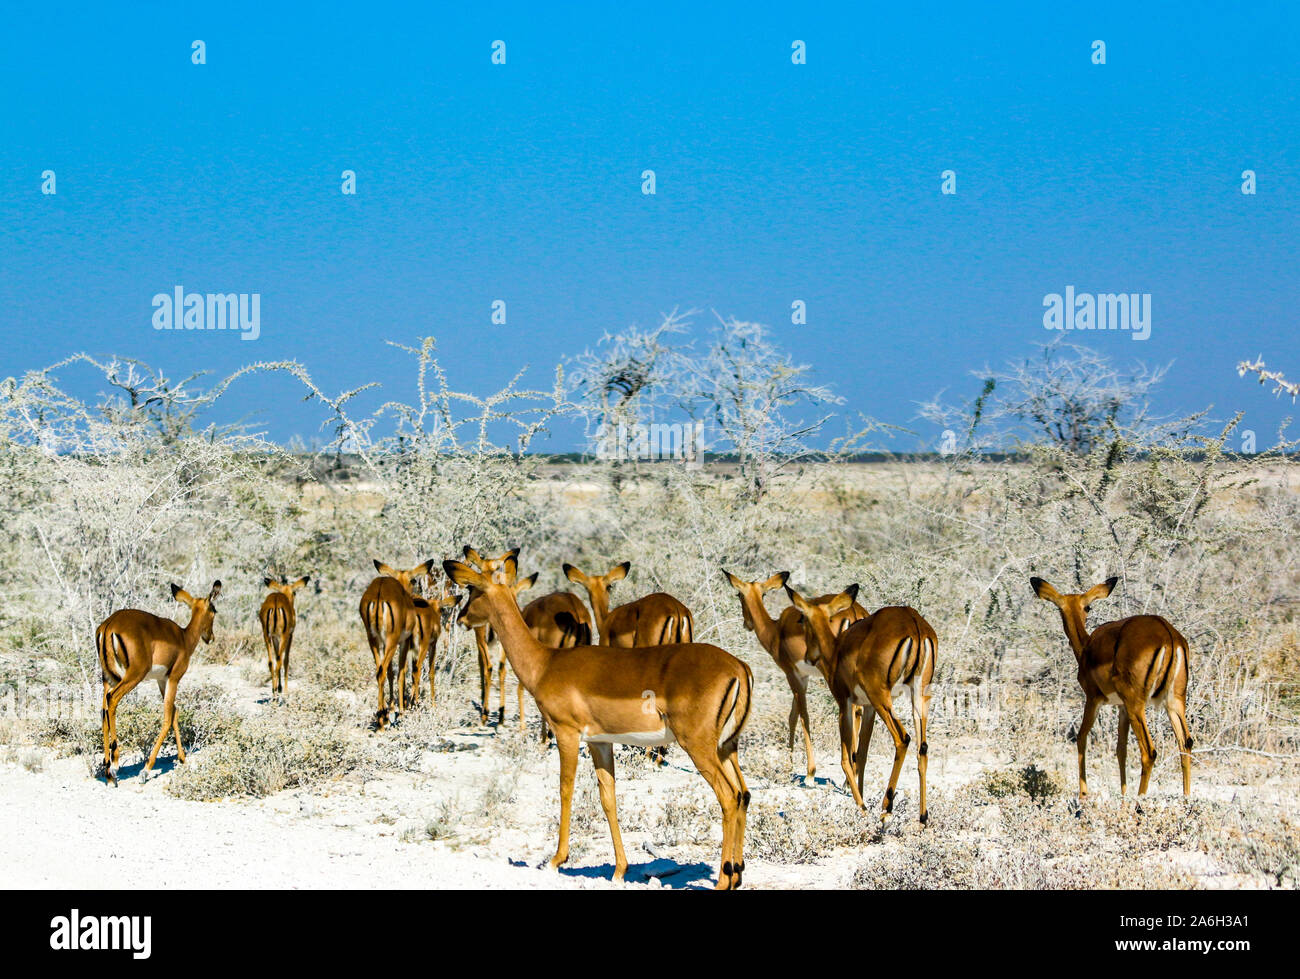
column 801, row 705
column 111, row 750
column 711, row 762
column 568, row 743
column 1081, row 742
column 865, row 719
column 417, row 666
column 501, row 679
column 1137, row 718
column 168, row 721
column 794, row 717
column 404, row 652
column 272, row 666
column 901, row 741
column 920, row 712
column 1121, row 752
column 522, row 726
column 103, row 723
column 602, row 758
column 1178, row 720
column 732, row 770
column 284, row 665
column 484, row 677
column 848, row 737
column 383, row 671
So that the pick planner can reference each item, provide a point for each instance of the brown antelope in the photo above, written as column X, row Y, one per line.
column 388, row 614
column 486, row 641
column 133, row 645
column 278, row 619
column 1130, row 662
column 866, row 665
column 695, row 694
column 424, row 643
column 653, row 620
column 784, row 641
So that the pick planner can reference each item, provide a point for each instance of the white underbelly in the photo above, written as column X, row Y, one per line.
column 157, row 672
column 641, row 739
column 804, row 668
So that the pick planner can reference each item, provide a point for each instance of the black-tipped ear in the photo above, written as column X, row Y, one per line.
column 852, row 592
column 216, row 590
column 176, row 590
column 266, row 581
column 626, row 566
column 379, row 565
column 1111, row 583
column 514, row 553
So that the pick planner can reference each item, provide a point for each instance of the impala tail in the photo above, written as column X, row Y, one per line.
column 734, row 710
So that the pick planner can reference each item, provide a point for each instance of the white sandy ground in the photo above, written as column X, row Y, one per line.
column 63, row 829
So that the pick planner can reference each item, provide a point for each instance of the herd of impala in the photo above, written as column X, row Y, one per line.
column 634, row 674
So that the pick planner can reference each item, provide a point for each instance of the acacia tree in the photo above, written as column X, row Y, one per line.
column 627, row 378
column 749, row 388
column 1068, row 396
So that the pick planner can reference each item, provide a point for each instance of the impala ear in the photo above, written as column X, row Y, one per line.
column 1100, row 591
column 777, row 580
column 798, row 600
column 510, row 568
column 735, row 582
column 842, row 601
column 384, row 569
column 464, row 575
column 1045, row 591
column 425, row 568
column 181, row 595
column 619, row 572
column 216, row 590
column 523, row 584
column 573, row 574
column 300, row 582
column 269, row 582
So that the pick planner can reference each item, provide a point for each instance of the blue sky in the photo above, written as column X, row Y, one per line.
column 775, row 182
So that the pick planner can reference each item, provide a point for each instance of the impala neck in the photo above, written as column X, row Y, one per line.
column 765, row 627
column 528, row 657
column 1076, row 631
column 192, row 632
column 600, row 612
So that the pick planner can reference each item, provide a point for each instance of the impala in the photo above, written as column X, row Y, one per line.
column 424, row 643
column 133, row 645
column 1130, row 662
column 486, row 640
column 388, row 614
column 784, row 641
column 653, row 620
column 692, row 693
column 866, row 665
column 278, row 619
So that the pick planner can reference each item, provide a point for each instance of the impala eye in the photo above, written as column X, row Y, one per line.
column 1087, row 609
